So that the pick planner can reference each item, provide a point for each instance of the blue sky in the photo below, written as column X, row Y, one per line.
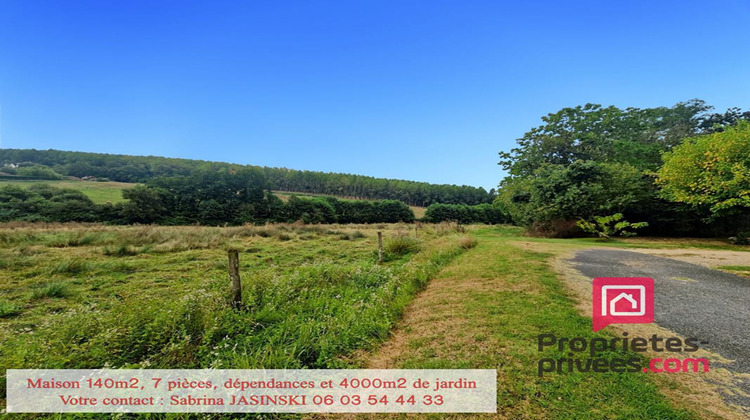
column 420, row 90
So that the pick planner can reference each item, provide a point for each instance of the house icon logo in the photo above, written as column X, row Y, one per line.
column 636, row 308
column 622, row 300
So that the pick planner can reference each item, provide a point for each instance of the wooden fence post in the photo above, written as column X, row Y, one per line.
column 234, row 275
column 380, row 247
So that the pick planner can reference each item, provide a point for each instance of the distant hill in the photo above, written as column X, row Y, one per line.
column 137, row 169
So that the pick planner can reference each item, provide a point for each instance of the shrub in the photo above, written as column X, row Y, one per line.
column 38, row 171
column 401, row 245
column 742, row 238
column 467, row 242
column 574, row 191
column 608, row 226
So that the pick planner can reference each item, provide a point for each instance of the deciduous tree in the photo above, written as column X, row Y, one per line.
column 710, row 171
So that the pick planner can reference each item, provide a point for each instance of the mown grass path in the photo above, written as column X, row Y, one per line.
column 486, row 309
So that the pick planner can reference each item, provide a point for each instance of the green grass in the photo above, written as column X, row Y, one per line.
column 121, row 251
column 158, row 296
column 743, row 268
column 98, row 192
column 492, row 303
column 85, row 296
column 52, row 290
column 8, row 309
column 69, row 267
column 401, row 245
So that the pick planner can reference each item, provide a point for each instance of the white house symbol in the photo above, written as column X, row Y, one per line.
column 628, row 296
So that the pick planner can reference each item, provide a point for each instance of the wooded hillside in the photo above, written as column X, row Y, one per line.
column 141, row 169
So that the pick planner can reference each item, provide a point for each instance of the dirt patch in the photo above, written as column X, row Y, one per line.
column 698, row 392
column 705, row 257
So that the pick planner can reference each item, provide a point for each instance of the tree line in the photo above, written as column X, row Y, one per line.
column 207, row 198
column 680, row 170
column 141, row 169
column 481, row 213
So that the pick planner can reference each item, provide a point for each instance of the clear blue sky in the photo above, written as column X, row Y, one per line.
column 420, row 90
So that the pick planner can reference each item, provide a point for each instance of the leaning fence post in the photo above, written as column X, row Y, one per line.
column 380, row 247
column 234, row 276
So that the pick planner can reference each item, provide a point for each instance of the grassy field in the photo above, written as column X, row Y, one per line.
column 77, row 296
column 83, row 296
column 98, row 192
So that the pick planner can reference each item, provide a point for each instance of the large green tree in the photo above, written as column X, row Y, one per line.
column 591, row 132
column 555, row 196
column 710, row 171
column 592, row 161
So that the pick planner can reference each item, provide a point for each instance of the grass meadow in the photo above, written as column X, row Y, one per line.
column 98, row 192
column 88, row 296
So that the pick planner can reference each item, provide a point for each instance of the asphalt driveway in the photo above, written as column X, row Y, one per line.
column 689, row 299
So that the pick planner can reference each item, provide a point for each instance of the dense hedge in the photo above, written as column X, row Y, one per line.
column 482, row 213
column 48, row 204
column 44, row 203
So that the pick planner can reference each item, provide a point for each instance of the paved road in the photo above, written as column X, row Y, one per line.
column 689, row 299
